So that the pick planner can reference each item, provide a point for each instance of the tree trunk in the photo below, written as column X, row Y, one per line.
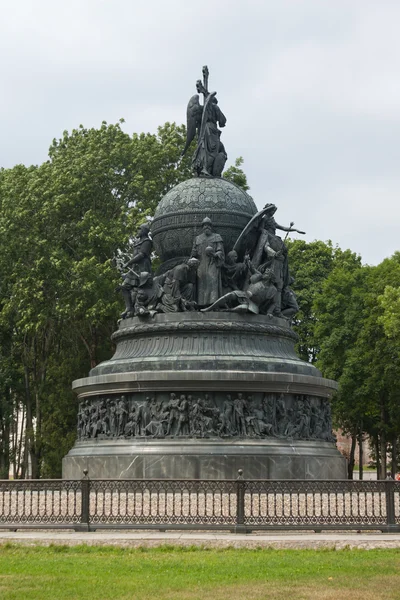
column 394, row 457
column 91, row 350
column 383, row 452
column 5, row 450
column 5, row 435
column 30, row 455
column 38, row 436
column 350, row 466
column 383, row 443
column 20, row 442
column 360, row 454
column 378, row 458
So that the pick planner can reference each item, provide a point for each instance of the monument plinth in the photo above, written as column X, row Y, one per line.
column 205, row 378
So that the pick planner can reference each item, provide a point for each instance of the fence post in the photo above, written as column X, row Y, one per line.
column 85, row 491
column 390, row 512
column 240, row 528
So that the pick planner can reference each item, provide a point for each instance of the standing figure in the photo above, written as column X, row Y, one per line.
column 122, row 415
column 239, row 407
column 139, row 263
column 272, row 252
column 196, row 418
column 275, row 258
column 143, row 417
column 87, row 418
column 103, row 418
column 83, row 420
column 183, row 419
column 113, row 418
column 95, row 420
column 173, row 418
column 281, row 415
column 208, row 248
column 268, row 251
column 227, row 426
column 210, row 155
column 302, row 427
column 269, row 406
column 130, row 426
column 327, row 434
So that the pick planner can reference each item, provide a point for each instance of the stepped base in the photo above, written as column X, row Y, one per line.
column 200, row 396
column 205, row 459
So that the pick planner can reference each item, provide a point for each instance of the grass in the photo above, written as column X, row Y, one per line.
column 182, row 573
column 365, row 468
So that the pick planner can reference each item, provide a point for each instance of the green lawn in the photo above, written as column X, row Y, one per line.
column 90, row 572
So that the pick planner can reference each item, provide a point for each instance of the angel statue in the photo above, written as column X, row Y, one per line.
column 210, row 157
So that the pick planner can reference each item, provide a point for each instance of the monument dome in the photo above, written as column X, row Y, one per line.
column 180, row 213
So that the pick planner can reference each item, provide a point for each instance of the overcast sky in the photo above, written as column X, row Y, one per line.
column 310, row 88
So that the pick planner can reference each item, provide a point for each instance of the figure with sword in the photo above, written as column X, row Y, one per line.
column 274, row 255
column 140, row 262
column 268, row 252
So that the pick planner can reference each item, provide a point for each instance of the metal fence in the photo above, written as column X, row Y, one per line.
column 236, row 505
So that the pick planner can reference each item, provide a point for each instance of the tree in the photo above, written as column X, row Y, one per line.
column 236, row 175
column 382, row 364
column 355, row 350
column 390, row 304
column 310, row 263
column 339, row 312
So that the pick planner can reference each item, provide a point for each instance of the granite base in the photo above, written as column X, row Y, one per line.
column 273, row 459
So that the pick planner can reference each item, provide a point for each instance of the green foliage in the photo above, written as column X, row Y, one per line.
column 390, row 304
column 337, row 306
column 310, row 264
column 236, row 175
column 349, row 325
column 355, row 314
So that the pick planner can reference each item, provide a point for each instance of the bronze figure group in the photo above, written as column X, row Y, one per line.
column 252, row 278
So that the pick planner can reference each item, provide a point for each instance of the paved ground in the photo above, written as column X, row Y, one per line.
column 214, row 539
column 367, row 475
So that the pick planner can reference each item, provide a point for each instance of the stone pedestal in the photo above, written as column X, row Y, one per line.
column 193, row 368
column 205, row 459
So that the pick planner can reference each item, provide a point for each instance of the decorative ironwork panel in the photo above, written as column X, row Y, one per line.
column 397, row 503
column 320, row 503
column 41, row 502
column 163, row 502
